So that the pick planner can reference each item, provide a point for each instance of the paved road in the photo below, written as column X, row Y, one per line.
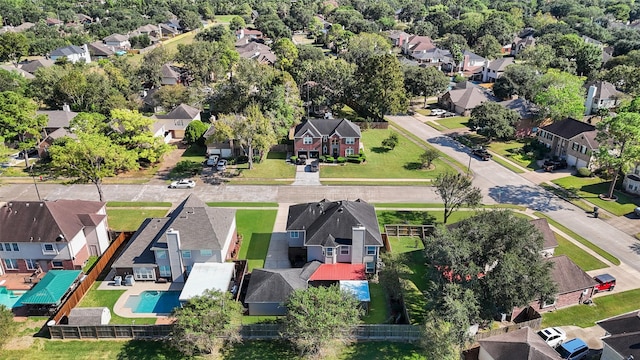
column 501, row 185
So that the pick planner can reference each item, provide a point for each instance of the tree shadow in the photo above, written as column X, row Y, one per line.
column 449, row 142
column 259, row 350
column 380, row 150
column 533, row 197
column 413, row 166
column 635, row 247
column 148, row 350
column 381, row 351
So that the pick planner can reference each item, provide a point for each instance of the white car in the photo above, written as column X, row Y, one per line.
column 222, row 165
column 553, row 336
column 212, row 160
column 183, row 184
column 437, row 112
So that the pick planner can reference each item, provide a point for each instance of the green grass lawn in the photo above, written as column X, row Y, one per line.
column 256, row 227
column 580, row 257
column 456, row 122
column 90, row 262
column 425, row 112
column 223, row 19
column 508, row 165
column 138, row 204
column 378, row 311
column 248, row 319
column 586, row 316
column 590, row 189
column 194, row 153
column 348, row 113
column 580, row 239
column 401, row 162
column 131, row 219
column 415, row 285
column 404, row 244
column 242, row 204
column 420, row 217
column 108, row 298
column 509, row 149
column 435, row 125
column 273, row 166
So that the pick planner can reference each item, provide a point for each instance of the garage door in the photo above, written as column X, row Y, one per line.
column 300, row 153
column 571, row 160
column 581, row 163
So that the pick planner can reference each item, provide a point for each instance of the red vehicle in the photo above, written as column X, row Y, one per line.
column 605, row 282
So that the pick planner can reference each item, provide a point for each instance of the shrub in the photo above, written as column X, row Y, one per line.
column 242, row 159
column 330, row 159
column 256, row 159
column 341, row 160
column 391, row 142
column 186, row 168
column 538, row 149
column 322, row 158
column 293, row 159
column 584, row 172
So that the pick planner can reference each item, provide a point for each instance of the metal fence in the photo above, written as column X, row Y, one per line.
column 109, row 331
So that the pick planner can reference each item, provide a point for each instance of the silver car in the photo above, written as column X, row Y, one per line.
column 183, row 184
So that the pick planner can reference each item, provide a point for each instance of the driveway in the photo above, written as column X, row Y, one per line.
column 278, row 253
column 304, row 176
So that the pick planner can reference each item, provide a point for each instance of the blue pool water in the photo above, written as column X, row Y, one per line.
column 152, row 301
column 10, row 298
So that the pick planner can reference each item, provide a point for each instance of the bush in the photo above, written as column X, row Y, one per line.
column 538, row 149
column 584, row 172
column 256, row 159
column 186, row 168
column 322, row 158
column 293, row 159
column 355, row 160
column 341, row 160
column 242, row 159
column 330, row 159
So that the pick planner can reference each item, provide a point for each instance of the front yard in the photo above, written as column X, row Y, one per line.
column 590, row 188
column 273, row 166
column 455, row 122
column 403, row 162
column 131, row 219
column 256, row 227
column 512, row 151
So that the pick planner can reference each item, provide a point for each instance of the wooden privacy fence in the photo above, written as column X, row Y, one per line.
column 82, row 288
column 409, row 230
column 533, row 324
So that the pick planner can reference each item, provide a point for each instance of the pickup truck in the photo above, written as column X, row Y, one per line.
column 482, row 154
column 551, row 165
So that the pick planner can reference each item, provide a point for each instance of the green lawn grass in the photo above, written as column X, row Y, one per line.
column 242, row 204
column 586, row 316
column 456, row 122
column 90, row 262
column 509, row 149
column 508, row 165
column 108, row 298
column 420, row 217
column 131, row 219
column 375, row 183
column 256, row 227
column 195, row 153
column 580, row 257
column 273, row 166
column 425, row 112
column 248, row 319
column 401, row 162
column 614, row 260
column 405, row 244
column 223, row 19
column 378, row 311
column 348, row 113
column 138, row 204
column 590, row 189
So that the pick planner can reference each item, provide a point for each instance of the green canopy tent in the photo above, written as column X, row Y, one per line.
column 50, row 291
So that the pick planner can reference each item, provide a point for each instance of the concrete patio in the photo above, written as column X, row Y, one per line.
column 119, row 307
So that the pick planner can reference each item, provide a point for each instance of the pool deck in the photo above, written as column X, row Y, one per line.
column 140, row 286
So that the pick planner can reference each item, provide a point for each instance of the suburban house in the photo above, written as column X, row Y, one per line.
column 249, row 33
column 170, row 75
column 154, row 32
column 117, row 41
column 57, row 126
column 522, row 344
column 169, row 30
column 34, row 65
column 45, row 235
column 176, row 121
column 572, row 140
column 550, row 243
column 622, row 340
column 335, row 232
column 463, row 98
column 224, row 149
column 631, row 182
column 250, row 49
column 398, row 37
column 168, row 248
column 72, row 53
column 601, row 95
column 521, row 41
column 433, row 56
column 333, row 137
column 493, row 69
column 470, row 64
column 18, row 70
column 98, row 50
column 527, row 111
column 416, row 43
column 53, row 22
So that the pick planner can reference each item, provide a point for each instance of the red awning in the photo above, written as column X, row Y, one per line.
column 336, row 272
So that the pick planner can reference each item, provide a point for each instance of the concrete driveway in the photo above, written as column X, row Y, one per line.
column 278, row 253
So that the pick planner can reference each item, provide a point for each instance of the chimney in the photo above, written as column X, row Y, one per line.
column 357, row 244
column 591, row 94
column 66, row 107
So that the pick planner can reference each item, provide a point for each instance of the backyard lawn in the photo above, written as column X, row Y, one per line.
column 273, row 166
column 590, row 189
column 586, row 316
column 131, row 219
column 256, row 227
column 378, row 312
column 108, row 298
column 456, row 122
column 401, row 162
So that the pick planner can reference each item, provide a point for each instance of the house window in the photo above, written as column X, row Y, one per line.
column 49, row 249
column 31, row 264
column 165, row 270
column 208, row 252
column 371, row 250
column 144, row 274
column 325, row 138
column 348, row 151
column 161, row 254
column 7, row 247
column 350, row 141
column 328, row 252
column 307, row 140
column 11, row 264
column 186, row 254
column 583, row 149
column 344, row 250
column 294, row 234
column 56, row 264
column 575, row 146
column 370, row 267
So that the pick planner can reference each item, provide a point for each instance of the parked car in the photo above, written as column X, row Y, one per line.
column 314, row 166
column 553, row 336
column 605, row 282
column 447, row 114
column 302, row 159
column 222, row 165
column 574, row 349
column 550, row 165
column 212, row 160
column 183, row 184
column 31, row 153
column 437, row 112
column 482, row 154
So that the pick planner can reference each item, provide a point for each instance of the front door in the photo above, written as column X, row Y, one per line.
column 93, row 250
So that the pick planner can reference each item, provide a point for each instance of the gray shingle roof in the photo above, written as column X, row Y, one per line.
column 523, row 344
column 500, row 64
column 138, row 251
column 569, row 276
column 570, row 128
column 169, row 71
column 524, row 108
column 116, row 38
column 58, row 118
column 275, row 285
column 625, row 323
column 34, row 65
column 327, row 127
column 97, row 48
column 547, row 234
column 182, row 111
column 67, row 51
column 330, row 223
column 467, row 96
column 605, row 90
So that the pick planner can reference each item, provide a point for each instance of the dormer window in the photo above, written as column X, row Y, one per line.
column 307, row 140
column 350, row 141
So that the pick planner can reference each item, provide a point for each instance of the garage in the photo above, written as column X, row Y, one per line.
column 571, row 160
column 303, row 152
column 581, row 163
column 314, row 154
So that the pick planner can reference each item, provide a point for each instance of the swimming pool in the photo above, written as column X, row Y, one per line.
column 152, row 301
column 10, row 298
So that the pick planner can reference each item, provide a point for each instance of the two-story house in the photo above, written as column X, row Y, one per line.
column 333, row 137
column 169, row 247
column 176, row 121
column 117, row 41
column 72, row 53
column 492, row 70
column 463, row 98
column 601, row 95
column 45, row 235
column 572, row 140
column 334, row 232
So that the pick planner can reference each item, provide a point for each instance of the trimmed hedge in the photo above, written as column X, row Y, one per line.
column 584, row 172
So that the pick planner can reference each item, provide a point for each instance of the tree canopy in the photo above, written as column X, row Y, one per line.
column 455, row 190
column 494, row 121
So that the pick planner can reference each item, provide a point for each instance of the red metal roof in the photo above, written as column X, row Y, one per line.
column 339, row 271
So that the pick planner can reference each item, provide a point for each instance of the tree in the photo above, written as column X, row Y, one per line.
column 13, row 47
column 619, row 139
column 438, row 341
column 90, row 158
column 205, row 322
column 494, row 121
column 428, row 157
column 539, row 56
column 12, row 81
column 456, row 190
column 560, row 95
column 190, row 20
column 516, row 80
column 364, row 45
column 495, row 254
column 286, row 52
column 488, row 47
column 170, row 96
column 19, row 121
column 237, row 23
column 151, row 65
column 328, row 81
column 318, row 316
column 194, row 132
column 198, row 59
column 380, row 85
column 391, row 142
column 134, row 134
column 588, row 59
column 8, row 327
column 426, row 81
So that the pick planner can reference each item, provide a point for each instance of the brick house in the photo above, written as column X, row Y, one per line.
column 333, row 137
column 46, row 235
column 572, row 140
